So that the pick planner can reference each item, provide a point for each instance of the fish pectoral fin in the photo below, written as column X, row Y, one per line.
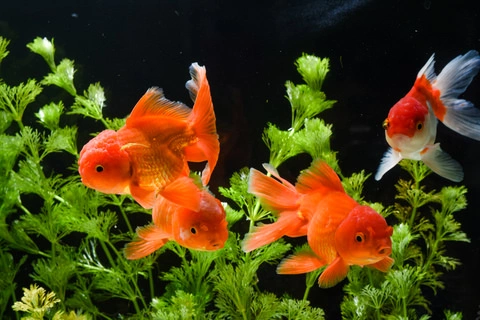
column 183, row 192
column 389, row 160
column 144, row 197
column 149, row 239
column 442, row 163
column 334, row 273
column 300, row 262
column 383, row 265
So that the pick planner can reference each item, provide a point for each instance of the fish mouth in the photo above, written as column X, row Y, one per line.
column 213, row 245
column 384, row 250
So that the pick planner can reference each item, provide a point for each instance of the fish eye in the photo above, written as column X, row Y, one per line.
column 419, row 126
column 99, row 168
column 386, row 124
column 193, row 230
column 359, row 237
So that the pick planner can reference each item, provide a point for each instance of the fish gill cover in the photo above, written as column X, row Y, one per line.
column 69, row 239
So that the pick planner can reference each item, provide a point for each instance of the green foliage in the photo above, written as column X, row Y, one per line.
column 71, row 238
column 3, row 48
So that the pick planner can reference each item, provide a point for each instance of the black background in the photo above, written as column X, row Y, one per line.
column 375, row 47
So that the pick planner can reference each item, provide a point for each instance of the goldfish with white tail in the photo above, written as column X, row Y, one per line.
column 411, row 125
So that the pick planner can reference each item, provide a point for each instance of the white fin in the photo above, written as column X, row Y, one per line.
column 428, row 70
column 389, row 160
column 442, row 163
column 198, row 74
column 461, row 115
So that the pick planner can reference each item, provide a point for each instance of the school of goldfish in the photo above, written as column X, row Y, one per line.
column 148, row 159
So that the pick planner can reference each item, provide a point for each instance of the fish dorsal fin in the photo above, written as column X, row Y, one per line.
column 428, row 70
column 317, row 177
column 154, row 103
column 198, row 74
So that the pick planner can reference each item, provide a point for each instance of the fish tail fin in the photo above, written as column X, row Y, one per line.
column 459, row 115
column 274, row 195
column 149, row 239
column 300, row 262
column 319, row 176
column 442, row 163
column 203, row 119
column 268, row 233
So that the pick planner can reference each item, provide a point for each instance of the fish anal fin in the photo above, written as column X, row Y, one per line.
column 319, row 176
column 442, row 163
column 301, row 262
column 383, row 265
column 149, row 239
column 183, row 192
column 287, row 223
column 334, row 273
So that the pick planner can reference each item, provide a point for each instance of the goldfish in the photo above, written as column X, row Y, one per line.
column 340, row 232
column 204, row 229
column 153, row 147
column 411, row 124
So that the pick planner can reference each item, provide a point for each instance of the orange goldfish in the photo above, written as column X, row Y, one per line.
column 340, row 232
column 294, row 205
column 411, row 125
column 204, row 229
column 154, row 146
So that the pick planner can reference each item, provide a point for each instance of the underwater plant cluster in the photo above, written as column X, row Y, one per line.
column 69, row 239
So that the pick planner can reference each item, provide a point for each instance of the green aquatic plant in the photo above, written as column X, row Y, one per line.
column 57, row 234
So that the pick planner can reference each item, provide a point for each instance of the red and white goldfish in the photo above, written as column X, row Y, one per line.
column 340, row 232
column 411, row 125
column 154, row 146
column 204, row 229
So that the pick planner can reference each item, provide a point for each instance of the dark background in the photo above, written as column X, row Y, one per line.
column 375, row 47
